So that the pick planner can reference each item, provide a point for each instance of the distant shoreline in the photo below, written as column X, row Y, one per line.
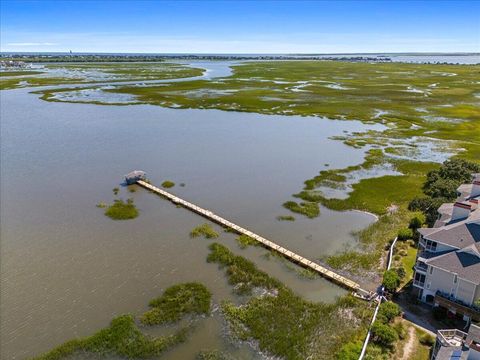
column 421, row 58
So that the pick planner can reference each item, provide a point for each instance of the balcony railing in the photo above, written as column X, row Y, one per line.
column 449, row 301
column 419, row 283
column 421, row 266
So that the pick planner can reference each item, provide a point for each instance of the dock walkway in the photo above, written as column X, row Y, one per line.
column 330, row 275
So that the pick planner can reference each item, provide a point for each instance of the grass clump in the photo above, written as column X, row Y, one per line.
column 121, row 210
column 283, row 323
column 168, row 184
column 177, row 301
column 285, row 218
column 242, row 274
column 309, row 209
column 244, row 241
column 427, row 339
column 204, row 230
column 121, row 338
column 213, row 355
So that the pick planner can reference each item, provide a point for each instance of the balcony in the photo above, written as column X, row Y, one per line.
column 421, row 266
column 418, row 283
column 451, row 303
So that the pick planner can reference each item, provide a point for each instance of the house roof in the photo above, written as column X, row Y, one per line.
column 465, row 264
column 459, row 235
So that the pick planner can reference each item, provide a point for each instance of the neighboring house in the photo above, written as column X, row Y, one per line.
column 447, row 271
column 456, row 345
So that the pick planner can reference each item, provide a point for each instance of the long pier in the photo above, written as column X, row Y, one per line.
column 326, row 273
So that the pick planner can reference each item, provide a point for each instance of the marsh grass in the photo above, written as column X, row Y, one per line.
column 244, row 241
column 309, row 209
column 283, row 323
column 372, row 242
column 285, row 218
column 168, row 184
column 177, row 301
column 121, row 210
column 121, row 338
column 213, row 355
column 204, row 230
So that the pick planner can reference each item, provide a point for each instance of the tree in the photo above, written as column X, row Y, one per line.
column 416, row 222
column 383, row 334
column 391, row 280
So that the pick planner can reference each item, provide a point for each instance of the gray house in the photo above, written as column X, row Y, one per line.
column 447, row 271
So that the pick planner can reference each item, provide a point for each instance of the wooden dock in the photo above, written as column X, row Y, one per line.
column 326, row 273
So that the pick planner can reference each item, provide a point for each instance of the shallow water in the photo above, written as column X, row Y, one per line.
column 66, row 269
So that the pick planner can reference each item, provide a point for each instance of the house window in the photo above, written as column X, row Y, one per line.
column 428, row 285
column 455, row 278
column 431, row 245
column 431, row 270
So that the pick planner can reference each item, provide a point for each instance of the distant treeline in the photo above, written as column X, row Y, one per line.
column 38, row 58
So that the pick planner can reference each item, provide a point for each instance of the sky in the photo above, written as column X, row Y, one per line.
column 268, row 27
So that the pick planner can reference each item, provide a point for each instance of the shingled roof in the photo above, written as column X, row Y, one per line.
column 459, row 235
column 463, row 263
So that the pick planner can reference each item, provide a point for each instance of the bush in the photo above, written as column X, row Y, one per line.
column 400, row 330
column 388, row 311
column 417, row 221
column 391, row 280
column 168, row 184
column 401, row 272
column 350, row 351
column 427, row 339
column 405, row 234
column 403, row 253
column 383, row 334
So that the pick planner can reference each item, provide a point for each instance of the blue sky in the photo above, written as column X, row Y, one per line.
column 240, row 26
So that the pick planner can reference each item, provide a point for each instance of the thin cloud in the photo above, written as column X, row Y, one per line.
column 32, row 44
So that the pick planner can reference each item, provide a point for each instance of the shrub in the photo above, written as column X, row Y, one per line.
column 400, row 330
column 168, row 184
column 427, row 339
column 417, row 221
column 388, row 311
column 391, row 280
column 401, row 272
column 350, row 351
column 405, row 234
column 383, row 334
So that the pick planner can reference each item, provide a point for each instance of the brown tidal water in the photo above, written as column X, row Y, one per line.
column 66, row 269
